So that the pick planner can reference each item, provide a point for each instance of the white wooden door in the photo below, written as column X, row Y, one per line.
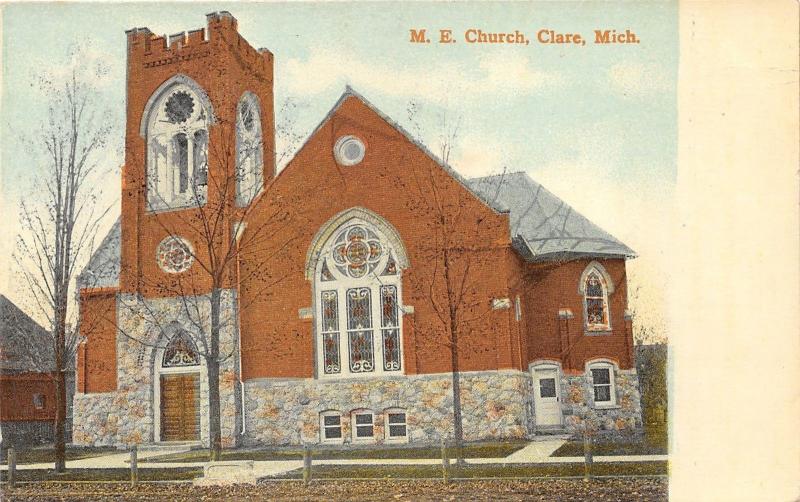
column 546, row 397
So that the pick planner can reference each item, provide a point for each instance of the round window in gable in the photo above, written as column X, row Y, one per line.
column 174, row 255
column 349, row 150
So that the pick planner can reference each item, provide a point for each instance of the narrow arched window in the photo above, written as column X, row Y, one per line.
column 249, row 150
column 177, row 138
column 357, row 287
column 200, row 160
column 595, row 289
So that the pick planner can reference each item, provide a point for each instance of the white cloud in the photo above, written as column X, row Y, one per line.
column 329, row 67
column 638, row 79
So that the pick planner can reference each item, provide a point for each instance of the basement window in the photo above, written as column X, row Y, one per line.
column 331, row 427
column 363, row 425
column 38, row 401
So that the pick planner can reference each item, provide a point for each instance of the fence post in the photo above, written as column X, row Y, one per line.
column 12, row 468
column 306, row 465
column 445, row 462
column 587, row 456
column 134, row 466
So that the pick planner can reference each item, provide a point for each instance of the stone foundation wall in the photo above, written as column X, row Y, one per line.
column 127, row 416
column 495, row 404
column 578, row 404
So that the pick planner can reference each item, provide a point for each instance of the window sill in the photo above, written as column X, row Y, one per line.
column 598, row 332
column 607, row 406
column 332, row 441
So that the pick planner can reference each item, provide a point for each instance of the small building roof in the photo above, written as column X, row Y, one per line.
column 102, row 271
column 544, row 227
column 24, row 344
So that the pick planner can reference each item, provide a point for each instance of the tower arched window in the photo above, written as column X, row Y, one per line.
column 177, row 146
column 595, row 287
column 249, row 150
column 358, row 303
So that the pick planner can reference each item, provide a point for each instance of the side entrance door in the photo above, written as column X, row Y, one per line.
column 180, row 407
column 546, row 397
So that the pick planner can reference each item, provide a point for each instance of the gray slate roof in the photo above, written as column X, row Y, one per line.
column 544, row 227
column 24, row 344
column 103, row 267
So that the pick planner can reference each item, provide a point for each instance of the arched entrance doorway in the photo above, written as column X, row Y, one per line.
column 178, row 391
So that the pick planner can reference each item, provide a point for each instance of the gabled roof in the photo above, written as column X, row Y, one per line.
column 544, row 227
column 349, row 92
column 24, row 344
column 102, row 271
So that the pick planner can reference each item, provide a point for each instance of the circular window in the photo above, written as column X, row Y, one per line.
column 174, row 255
column 179, row 107
column 349, row 151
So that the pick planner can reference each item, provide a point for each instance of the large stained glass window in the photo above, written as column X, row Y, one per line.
column 596, row 302
column 359, row 321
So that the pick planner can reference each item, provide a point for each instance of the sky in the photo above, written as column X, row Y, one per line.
column 595, row 124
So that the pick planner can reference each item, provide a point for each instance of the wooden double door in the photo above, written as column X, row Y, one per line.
column 180, row 407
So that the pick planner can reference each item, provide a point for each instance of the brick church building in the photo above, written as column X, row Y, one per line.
column 346, row 285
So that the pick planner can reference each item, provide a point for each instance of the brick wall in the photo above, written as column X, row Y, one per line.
column 97, row 356
column 552, row 287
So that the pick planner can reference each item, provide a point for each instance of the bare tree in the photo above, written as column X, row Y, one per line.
column 457, row 254
column 59, row 220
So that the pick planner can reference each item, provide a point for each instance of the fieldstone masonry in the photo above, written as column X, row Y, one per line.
column 128, row 415
column 495, row 405
column 578, row 400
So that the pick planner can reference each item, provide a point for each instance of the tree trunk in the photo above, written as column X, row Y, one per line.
column 61, row 388
column 60, row 421
column 212, row 362
column 458, row 430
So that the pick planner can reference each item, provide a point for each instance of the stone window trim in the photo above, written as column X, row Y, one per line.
column 517, row 309
column 362, row 422
column 330, row 427
column 613, row 369
column 392, row 420
column 607, row 286
column 159, row 92
column 349, row 150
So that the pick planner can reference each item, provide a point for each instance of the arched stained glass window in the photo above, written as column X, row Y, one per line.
column 180, row 352
column 595, row 301
column 358, row 315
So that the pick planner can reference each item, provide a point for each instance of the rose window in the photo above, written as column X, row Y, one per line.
column 357, row 251
column 174, row 255
column 179, row 107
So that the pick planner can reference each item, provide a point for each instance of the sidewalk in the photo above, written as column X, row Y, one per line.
column 536, row 452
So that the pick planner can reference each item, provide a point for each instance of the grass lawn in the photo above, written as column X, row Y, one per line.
column 479, row 471
column 472, row 450
column 176, row 474
column 653, row 442
column 44, row 454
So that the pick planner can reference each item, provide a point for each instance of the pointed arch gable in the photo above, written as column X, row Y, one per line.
column 595, row 265
column 163, row 88
column 327, row 230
